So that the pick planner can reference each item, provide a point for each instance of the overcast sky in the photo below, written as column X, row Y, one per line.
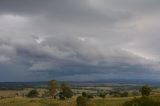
column 82, row 40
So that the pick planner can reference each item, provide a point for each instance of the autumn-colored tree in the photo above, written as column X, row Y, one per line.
column 52, row 86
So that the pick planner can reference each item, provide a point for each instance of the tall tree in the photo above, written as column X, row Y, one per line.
column 52, row 86
column 66, row 90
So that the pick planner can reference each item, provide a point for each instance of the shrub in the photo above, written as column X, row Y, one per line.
column 124, row 94
column 115, row 93
column 84, row 94
column 81, row 101
column 61, row 96
column 145, row 90
column 33, row 93
column 89, row 96
column 102, row 95
column 144, row 101
column 66, row 90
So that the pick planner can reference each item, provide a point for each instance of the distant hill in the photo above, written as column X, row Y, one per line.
column 21, row 85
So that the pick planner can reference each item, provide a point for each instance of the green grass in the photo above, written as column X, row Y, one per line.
column 68, row 102
column 109, row 101
column 36, row 102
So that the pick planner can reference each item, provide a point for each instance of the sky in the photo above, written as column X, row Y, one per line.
column 79, row 40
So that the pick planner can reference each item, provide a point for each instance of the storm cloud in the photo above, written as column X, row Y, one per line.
column 79, row 39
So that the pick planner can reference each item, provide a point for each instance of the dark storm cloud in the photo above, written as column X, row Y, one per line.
column 68, row 39
column 67, row 11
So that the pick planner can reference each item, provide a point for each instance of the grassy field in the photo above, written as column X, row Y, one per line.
column 109, row 101
column 69, row 102
column 10, row 98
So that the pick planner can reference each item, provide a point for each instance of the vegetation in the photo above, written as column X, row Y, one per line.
column 145, row 90
column 84, row 94
column 33, row 94
column 52, row 86
column 144, row 101
column 124, row 94
column 61, row 96
column 102, row 95
column 87, row 95
column 81, row 101
column 42, row 96
column 66, row 90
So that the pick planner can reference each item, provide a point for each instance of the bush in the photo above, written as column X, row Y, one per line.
column 81, row 101
column 115, row 94
column 61, row 96
column 145, row 90
column 66, row 90
column 89, row 96
column 84, row 94
column 33, row 93
column 124, row 94
column 102, row 95
column 144, row 101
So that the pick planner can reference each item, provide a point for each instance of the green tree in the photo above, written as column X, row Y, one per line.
column 66, row 90
column 33, row 94
column 81, row 101
column 145, row 90
column 52, row 86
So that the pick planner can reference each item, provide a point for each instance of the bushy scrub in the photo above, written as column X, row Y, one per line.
column 33, row 94
column 144, row 101
column 102, row 95
column 84, row 94
column 124, row 94
column 81, row 101
column 66, row 90
column 87, row 95
column 145, row 90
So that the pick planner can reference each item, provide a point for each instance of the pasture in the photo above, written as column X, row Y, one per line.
column 21, row 101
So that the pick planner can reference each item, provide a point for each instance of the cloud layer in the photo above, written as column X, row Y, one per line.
column 79, row 40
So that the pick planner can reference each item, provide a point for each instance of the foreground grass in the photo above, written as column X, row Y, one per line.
column 109, row 101
column 36, row 102
column 68, row 102
column 19, row 101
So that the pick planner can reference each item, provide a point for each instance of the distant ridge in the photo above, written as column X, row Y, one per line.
column 97, row 82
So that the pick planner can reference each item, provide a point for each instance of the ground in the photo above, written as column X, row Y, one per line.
column 19, row 101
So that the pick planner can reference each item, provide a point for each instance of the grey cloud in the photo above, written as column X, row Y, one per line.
column 71, row 12
column 69, row 39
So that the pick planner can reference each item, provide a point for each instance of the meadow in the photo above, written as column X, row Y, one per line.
column 109, row 101
column 18, row 97
column 19, row 101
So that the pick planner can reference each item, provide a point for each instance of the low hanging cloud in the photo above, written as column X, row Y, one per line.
column 80, row 40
